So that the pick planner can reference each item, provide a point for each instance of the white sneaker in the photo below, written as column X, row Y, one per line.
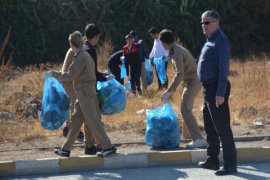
column 198, row 143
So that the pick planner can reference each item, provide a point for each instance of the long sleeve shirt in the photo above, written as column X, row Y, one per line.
column 185, row 65
column 67, row 62
column 81, row 71
column 91, row 50
column 158, row 50
column 214, row 61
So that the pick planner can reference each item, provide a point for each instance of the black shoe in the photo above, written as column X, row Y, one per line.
column 61, row 152
column 65, row 131
column 90, row 151
column 80, row 137
column 209, row 165
column 107, row 152
column 99, row 149
column 226, row 171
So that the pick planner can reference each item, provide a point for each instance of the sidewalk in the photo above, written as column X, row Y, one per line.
column 247, row 152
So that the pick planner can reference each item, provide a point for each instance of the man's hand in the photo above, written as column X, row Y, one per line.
column 50, row 74
column 165, row 96
column 219, row 100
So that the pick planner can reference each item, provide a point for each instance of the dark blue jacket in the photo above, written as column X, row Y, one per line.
column 213, row 65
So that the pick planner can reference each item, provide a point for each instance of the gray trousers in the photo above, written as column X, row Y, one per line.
column 87, row 111
column 191, row 88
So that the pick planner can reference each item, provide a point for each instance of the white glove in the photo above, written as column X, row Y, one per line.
column 50, row 74
column 110, row 76
column 165, row 96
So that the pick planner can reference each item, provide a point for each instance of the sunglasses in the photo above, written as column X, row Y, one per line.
column 207, row 22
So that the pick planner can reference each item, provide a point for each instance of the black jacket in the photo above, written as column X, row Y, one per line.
column 91, row 50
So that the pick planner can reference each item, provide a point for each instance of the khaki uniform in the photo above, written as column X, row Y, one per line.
column 186, row 70
column 82, row 72
column 69, row 86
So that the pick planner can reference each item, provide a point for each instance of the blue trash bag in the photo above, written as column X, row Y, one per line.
column 149, row 72
column 123, row 68
column 160, row 67
column 162, row 130
column 112, row 97
column 55, row 104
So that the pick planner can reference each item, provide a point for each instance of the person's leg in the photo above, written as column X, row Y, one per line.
column 167, row 80
column 212, row 161
column 159, row 83
column 143, row 76
column 92, row 115
column 133, row 77
column 221, row 120
column 190, row 92
column 72, row 96
column 212, row 137
column 137, row 75
column 77, row 121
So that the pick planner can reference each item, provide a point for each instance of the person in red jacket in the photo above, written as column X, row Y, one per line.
column 133, row 63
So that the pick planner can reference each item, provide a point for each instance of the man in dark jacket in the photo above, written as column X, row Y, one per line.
column 213, row 71
column 92, row 34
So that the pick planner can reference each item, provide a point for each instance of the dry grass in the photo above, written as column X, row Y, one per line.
column 104, row 50
column 250, row 87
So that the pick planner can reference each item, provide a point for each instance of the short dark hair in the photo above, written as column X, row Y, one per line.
column 133, row 33
column 166, row 36
column 212, row 14
column 153, row 30
column 91, row 30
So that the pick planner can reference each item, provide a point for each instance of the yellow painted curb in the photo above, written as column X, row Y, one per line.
column 81, row 163
column 253, row 154
column 169, row 158
column 7, row 168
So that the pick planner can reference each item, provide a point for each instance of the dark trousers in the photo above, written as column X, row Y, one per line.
column 134, row 72
column 160, row 86
column 217, row 126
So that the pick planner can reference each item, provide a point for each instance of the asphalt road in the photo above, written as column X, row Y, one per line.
column 253, row 171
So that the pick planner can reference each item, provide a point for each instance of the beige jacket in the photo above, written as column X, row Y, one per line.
column 68, row 60
column 81, row 71
column 185, row 65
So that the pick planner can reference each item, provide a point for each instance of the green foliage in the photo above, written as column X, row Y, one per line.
column 40, row 28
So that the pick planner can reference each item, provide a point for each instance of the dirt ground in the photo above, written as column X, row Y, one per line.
column 126, row 142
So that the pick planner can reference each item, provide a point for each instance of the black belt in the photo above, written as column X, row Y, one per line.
column 210, row 81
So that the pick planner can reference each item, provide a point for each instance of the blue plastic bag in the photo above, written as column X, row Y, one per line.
column 160, row 67
column 55, row 104
column 123, row 68
column 162, row 130
column 149, row 72
column 128, row 86
column 112, row 97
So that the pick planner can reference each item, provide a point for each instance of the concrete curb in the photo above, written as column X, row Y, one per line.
column 135, row 160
